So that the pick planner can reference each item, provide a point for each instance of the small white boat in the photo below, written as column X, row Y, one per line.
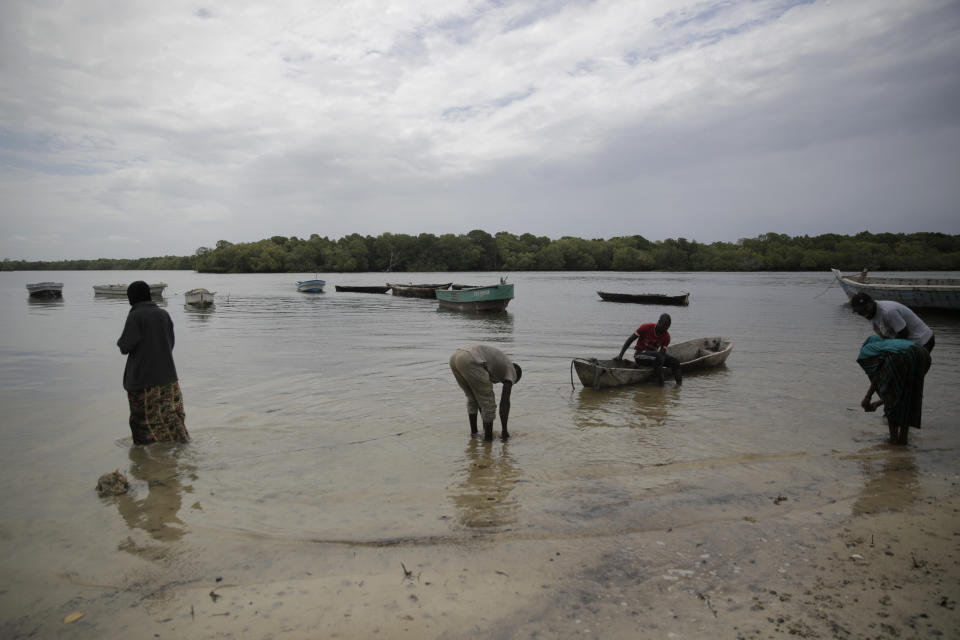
column 45, row 289
column 156, row 290
column 310, row 286
column 199, row 297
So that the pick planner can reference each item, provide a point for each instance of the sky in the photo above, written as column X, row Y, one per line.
column 143, row 128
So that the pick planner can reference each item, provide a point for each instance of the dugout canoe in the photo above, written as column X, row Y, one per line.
column 646, row 298
column 699, row 353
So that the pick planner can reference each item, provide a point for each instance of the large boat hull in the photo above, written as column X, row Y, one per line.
column 916, row 293
column 156, row 290
column 700, row 353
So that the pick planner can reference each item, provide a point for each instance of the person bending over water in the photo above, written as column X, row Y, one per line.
column 477, row 368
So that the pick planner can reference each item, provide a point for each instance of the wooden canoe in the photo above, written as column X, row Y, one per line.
column 361, row 289
column 646, row 298
column 700, row 353
column 417, row 290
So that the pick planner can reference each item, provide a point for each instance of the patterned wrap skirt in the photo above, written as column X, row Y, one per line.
column 156, row 414
column 899, row 380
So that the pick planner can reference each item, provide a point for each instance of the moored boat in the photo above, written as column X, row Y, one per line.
column 156, row 290
column 417, row 290
column 699, row 353
column 646, row 298
column 311, row 286
column 199, row 297
column 45, row 289
column 361, row 289
column 917, row 293
column 492, row 299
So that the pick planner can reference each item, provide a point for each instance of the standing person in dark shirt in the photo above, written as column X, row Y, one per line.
column 150, row 377
column 652, row 342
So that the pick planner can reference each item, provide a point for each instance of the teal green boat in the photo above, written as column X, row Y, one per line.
column 492, row 299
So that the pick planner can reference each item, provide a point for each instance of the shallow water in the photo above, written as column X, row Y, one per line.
column 334, row 418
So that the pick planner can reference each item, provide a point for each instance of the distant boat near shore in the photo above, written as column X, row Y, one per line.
column 199, row 297
column 417, row 290
column 646, row 298
column 492, row 299
column 45, row 290
column 156, row 290
column 361, row 289
column 311, row 286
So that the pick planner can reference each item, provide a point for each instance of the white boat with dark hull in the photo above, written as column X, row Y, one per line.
column 156, row 290
column 311, row 286
column 45, row 289
column 199, row 297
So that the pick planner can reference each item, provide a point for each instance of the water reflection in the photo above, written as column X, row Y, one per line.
column 892, row 481
column 488, row 323
column 42, row 304
column 635, row 406
column 483, row 498
column 159, row 467
column 200, row 314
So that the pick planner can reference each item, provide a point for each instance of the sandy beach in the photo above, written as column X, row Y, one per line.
column 882, row 565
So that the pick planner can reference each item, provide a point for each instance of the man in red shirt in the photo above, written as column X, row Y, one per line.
column 652, row 342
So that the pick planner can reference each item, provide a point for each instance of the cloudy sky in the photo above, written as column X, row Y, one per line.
column 142, row 128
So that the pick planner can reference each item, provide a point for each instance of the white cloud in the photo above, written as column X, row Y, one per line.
column 239, row 121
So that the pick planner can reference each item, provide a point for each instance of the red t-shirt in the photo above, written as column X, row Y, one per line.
column 648, row 340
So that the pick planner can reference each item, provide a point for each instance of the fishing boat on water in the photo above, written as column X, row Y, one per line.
column 916, row 293
column 492, row 299
column 156, row 290
column 361, row 289
column 699, row 353
column 199, row 297
column 311, row 286
column 646, row 298
column 417, row 290
column 45, row 289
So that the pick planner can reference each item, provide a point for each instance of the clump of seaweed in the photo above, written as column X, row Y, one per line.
column 113, row 484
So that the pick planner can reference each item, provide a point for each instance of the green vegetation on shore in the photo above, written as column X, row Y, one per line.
column 480, row 251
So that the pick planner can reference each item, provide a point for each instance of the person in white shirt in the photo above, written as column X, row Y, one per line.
column 893, row 320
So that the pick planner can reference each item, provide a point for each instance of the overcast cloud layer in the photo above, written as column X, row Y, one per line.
column 141, row 128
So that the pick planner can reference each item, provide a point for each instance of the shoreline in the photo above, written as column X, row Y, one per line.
column 848, row 569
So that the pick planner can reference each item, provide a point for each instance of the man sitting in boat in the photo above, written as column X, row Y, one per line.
column 652, row 342
column 477, row 368
column 893, row 320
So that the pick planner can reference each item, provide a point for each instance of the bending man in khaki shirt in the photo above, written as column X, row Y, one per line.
column 477, row 368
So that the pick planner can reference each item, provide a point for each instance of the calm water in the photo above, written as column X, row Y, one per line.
column 334, row 417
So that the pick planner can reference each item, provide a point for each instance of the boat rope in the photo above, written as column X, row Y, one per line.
column 596, row 371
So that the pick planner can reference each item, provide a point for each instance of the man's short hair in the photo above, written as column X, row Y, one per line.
column 519, row 371
column 665, row 320
column 861, row 301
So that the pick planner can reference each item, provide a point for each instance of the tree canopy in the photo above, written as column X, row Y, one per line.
column 480, row 251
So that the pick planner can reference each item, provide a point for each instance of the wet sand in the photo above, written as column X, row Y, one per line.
column 851, row 569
